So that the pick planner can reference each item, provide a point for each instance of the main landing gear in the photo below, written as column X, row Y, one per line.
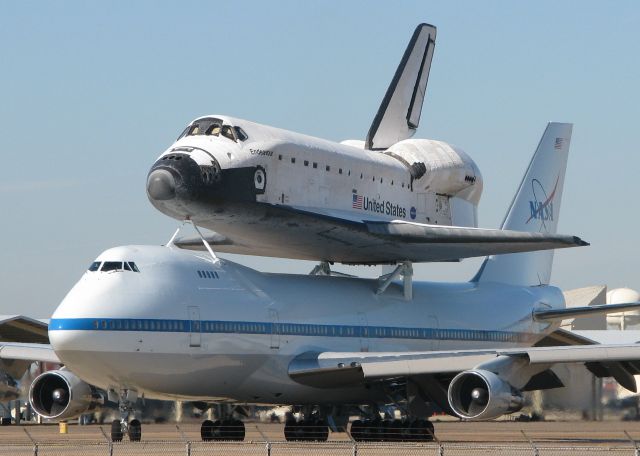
column 311, row 429
column 378, row 430
column 227, row 429
column 133, row 428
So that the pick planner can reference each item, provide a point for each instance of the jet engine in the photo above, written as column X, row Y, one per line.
column 481, row 395
column 60, row 394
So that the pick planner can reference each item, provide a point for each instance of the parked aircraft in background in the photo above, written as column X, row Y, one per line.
column 16, row 328
column 168, row 323
column 388, row 199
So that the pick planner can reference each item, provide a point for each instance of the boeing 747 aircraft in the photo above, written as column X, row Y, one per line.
column 161, row 322
column 388, row 199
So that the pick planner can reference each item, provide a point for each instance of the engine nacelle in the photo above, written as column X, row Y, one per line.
column 482, row 395
column 60, row 394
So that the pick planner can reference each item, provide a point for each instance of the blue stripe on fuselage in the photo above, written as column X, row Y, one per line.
column 284, row 329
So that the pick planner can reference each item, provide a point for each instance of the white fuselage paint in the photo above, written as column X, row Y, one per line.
column 183, row 327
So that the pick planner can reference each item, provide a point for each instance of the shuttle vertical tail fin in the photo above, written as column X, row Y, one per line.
column 535, row 208
column 400, row 110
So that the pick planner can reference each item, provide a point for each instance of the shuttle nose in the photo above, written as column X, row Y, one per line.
column 161, row 185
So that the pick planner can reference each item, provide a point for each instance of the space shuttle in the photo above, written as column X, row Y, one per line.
column 391, row 198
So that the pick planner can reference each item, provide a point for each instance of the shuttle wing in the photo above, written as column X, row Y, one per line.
column 332, row 369
column 586, row 311
column 373, row 242
column 470, row 241
column 399, row 114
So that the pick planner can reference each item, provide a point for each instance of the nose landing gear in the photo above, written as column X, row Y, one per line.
column 133, row 428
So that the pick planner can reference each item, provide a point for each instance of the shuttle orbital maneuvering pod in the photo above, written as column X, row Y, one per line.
column 162, row 322
column 386, row 200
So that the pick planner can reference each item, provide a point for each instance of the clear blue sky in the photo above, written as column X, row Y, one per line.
column 92, row 92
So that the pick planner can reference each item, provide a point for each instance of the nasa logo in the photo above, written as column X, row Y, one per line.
column 541, row 208
column 412, row 213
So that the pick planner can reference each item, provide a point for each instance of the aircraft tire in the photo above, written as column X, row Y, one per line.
column 406, row 431
column 374, row 430
column 207, row 431
column 394, row 431
column 237, row 431
column 116, row 431
column 322, row 431
column 356, row 430
column 135, row 431
column 289, row 428
column 226, row 430
column 308, row 430
column 422, row 431
column 382, row 431
column 430, row 432
column 298, row 431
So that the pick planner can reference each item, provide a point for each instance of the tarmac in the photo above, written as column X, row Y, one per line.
column 580, row 433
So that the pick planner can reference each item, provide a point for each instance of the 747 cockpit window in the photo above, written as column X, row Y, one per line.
column 108, row 266
column 111, row 266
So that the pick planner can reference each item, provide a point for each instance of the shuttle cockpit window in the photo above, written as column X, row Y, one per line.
column 210, row 126
column 206, row 126
column 214, row 130
column 240, row 134
column 227, row 132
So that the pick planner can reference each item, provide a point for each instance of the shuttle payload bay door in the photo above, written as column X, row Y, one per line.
column 195, row 331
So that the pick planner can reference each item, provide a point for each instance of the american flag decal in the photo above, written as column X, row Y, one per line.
column 559, row 142
column 357, row 201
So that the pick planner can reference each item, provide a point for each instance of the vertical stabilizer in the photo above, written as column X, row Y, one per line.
column 399, row 114
column 535, row 208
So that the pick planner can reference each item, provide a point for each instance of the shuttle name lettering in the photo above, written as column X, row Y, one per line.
column 268, row 153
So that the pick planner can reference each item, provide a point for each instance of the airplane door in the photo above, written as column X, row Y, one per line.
column 275, row 329
column 364, row 332
column 434, row 326
column 195, row 332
